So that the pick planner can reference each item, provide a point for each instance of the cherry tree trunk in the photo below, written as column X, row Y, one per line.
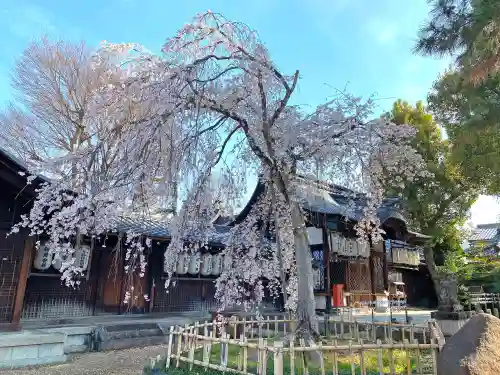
column 306, row 306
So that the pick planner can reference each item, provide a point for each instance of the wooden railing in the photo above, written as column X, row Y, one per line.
column 261, row 346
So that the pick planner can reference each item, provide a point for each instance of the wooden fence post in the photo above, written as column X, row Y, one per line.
column 434, row 350
column 264, row 358
column 362, row 367
column 236, row 322
column 305, row 367
column 321, row 358
column 260, row 355
column 380, row 359
column 169, row 347
column 245, row 354
column 418, row 361
column 292, row 357
column 335, row 364
column 196, row 332
column 268, row 326
column 240, row 352
column 224, row 349
column 191, row 346
column 179, row 346
column 186, row 338
column 278, row 358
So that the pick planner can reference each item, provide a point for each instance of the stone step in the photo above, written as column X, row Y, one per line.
column 124, row 336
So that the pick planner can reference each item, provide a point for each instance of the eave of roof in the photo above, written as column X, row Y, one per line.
column 21, row 165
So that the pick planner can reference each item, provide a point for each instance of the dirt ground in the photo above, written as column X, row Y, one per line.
column 122, row 362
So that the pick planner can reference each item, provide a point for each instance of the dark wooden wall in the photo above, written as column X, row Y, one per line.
column 419, row 288
column 13, row 203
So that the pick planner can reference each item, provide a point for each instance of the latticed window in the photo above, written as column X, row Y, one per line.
column 358, row 276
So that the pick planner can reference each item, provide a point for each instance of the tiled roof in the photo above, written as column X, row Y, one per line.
column 148, row 227
column 484, row 234
column 321, row 200
column 158, row 228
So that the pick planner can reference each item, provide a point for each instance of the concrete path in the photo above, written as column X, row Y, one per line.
column 119, row 362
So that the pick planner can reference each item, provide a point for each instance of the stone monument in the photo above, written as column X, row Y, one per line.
column 450, row 315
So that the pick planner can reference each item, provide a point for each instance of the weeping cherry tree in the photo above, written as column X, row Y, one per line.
column 215, row 102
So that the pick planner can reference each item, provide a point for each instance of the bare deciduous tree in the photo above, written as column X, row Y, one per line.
column 54, row 83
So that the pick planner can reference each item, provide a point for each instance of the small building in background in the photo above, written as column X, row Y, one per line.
column 485, row 240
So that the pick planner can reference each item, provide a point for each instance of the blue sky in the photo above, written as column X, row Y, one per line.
column 363, row 45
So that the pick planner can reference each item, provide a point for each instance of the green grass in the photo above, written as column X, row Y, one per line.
column 403, row 360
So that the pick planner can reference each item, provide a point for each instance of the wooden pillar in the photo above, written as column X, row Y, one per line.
column 386, row 270
column 123, row 279
column 22, row 280
column 372, row 272
column 326, row 262
column 94, row 273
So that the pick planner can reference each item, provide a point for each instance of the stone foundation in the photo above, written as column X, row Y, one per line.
column 25, row 349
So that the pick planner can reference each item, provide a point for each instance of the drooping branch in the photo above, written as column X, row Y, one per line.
column 286, row 98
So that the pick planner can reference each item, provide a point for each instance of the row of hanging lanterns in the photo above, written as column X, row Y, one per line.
column 205, row 264
column 348, row 246
column 194, row 264
column 44, row 258
column 338, row 243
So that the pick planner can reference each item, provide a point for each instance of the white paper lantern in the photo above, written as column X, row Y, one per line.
column 194, row 264
column 342, row 245
column 59, row 259
column 206, row 264
column 314, row 235
column 182, row 264
column 347, row 247
column 226, row 263
column 355, row 249
column 82, row 256
column 43, row 257
column 363, row 249
column 334, row 242
column 216, row 264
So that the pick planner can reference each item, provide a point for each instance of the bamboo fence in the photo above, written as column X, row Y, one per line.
column 266, row 346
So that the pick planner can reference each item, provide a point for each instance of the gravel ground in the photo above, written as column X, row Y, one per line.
column 119, row 362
